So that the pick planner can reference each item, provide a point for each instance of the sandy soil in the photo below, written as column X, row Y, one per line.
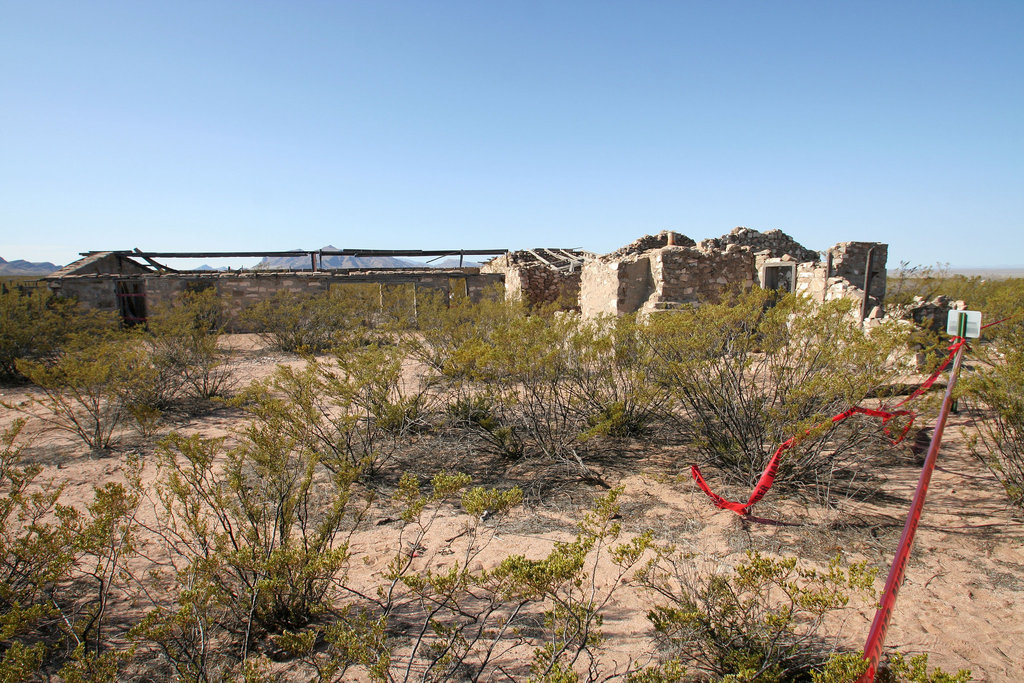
column 962, row 600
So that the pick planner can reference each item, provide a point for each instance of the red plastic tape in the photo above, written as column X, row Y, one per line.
column 767, row 478
column 880, row 625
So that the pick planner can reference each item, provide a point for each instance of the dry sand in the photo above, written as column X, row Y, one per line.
column 962, row 602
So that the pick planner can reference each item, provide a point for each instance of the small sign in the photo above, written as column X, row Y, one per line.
column 973, row 323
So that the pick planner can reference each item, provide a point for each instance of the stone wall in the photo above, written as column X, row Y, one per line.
column 692, row 275
column 842, row 276
column 768, row 244
column 649, row 275
column 240, row 289
column 662, row 278
column 533, row 282
column 613, row 286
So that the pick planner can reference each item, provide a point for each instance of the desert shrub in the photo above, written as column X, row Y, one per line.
column 59, row 569
column 35, row 558
column 356, row 412
column 609, row 370
column 848, row 667
column 999, row 384
column 267, row 534
column 302, row 323
column 464, row 624
column 753, row 371
column 910, row 281
column 996, row 298
column 184, row 345
column 545, row 384
column 89, row 388
column 449, row 332
column 258, row 541
column 35, row 325
column 760, row 621
column 104, row 539
column 259, row 544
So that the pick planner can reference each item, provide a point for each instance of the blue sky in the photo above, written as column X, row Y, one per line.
column 277, row 125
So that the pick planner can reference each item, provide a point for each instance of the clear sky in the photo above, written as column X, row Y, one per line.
column 254, row 125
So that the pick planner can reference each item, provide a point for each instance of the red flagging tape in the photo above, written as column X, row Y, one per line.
column 880, row 625
column 764, row 483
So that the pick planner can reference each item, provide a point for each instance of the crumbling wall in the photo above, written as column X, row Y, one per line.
column 650, row 242
column 843, row 276
column 534, row 282
column 931, row 314
column 691, row 275
column 771, row 244
column 613, row 286
column 650, row 274
column 663, row 277
column 239, row 290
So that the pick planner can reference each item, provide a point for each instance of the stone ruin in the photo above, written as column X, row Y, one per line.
column 541, row 276
column 132, row 284
column 930, row 314
column 669, row 270
column 655, row 273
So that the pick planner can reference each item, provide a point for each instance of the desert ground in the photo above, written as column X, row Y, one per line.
column 961, row 603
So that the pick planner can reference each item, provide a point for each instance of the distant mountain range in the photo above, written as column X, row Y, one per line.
column 303, row 262
column 20, row 267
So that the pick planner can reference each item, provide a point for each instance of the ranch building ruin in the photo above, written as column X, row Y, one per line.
column 655, row 273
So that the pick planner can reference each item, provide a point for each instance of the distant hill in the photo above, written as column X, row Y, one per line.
column 21, row 267
column 986, row 272
column 302, row 262
column 453, row 262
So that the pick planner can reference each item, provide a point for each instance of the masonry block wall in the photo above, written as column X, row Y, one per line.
column 239, row 290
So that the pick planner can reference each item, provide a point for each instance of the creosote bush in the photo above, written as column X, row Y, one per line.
column 183, row 341
column 542, row 385
column 848, row 667
column 34, row 326
column 759, row 368
column 88, row 389
column 355, row 412
column 761, row 621
column 313, row 323
column 999, row 385
column 60, row 570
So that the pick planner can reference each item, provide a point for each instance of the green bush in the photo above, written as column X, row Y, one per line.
column 59, row 570
column 89, row 389
column 999, row 385
column 848, row 667
column 356, row 412
column 34, row 326
column 267, row 534
column 757, row 369
column 184, row 339
column 760, row 622
column 544, row 384
column 313, row 323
